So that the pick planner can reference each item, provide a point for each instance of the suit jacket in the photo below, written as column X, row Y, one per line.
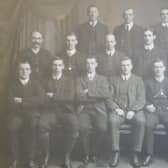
column 161, row 36
column 40, row 62
column 136, row 93
column 128, row 42
column 98, row 92
column 88, row 45
column 32, row 96
column 74, row 65
column 144, row 61
column 64, row 93
column 109, row 65
column 157, row 93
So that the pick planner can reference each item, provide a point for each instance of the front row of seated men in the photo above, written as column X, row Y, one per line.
column 89, row 104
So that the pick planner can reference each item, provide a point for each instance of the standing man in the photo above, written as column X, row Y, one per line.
column 92, row 33
column 93, row 92
column 109, row 59
column 129, row 100
column 147, row 54
column 156, row 106
column 73, row 59
column 25, row 96
column 161, row 30
column 60, row 93
column 129, row 36
column 37, row 56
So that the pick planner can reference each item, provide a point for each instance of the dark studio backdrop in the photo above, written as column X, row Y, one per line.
column 54, row 18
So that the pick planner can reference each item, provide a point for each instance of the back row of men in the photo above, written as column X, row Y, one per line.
column 98, row 100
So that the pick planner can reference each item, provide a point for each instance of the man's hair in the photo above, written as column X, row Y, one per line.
column 110, row 34
column 71, row 34
column 38, row 32
column 56, row 58
column 91, row 57
column 150, row 29
column 91, row 6
column 158, row 60
column 22, row 60
column 125, row 59
column 163, row 9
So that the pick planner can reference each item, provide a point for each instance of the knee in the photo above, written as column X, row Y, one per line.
column 114, row 122
column 140, row 121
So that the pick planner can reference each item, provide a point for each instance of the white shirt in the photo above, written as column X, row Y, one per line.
column 35, row 50
column 91, row 76
column 24, row 81
column 160, row 79
column 125, row 77
column 149, row 47
column 57, row 77
column 71, row 52
column 129, row 26
column 164, row 24
column 110, row 52
column 93, row 24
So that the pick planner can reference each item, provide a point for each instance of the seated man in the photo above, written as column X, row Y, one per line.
column 156, row 107
column 25, row 95
column 60, row 93
column 92, row 91
column 129, row 100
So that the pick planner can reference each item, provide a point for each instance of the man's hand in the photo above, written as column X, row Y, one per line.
column 85, row 91
column 50, row 94
column 17, row 100
column 130, row 115
column 151, row 108
column 120, row 112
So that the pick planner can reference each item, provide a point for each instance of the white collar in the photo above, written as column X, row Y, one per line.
column 24, row 81
column 129, row 26
column 91, row 76
column 126, row 77
column 160, row 79
column 164, row 24
column 110, row 52
column 93, row 24
column 71, row 52
column 56, row 77
column 149, row 47
column 35, row 50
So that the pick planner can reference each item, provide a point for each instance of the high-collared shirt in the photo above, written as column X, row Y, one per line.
column 129, row 26
column 35, row 50
column 91, row 76
column 125, row 77
column 110, row 52
column 149, row 47
column 24, row 81
column 71, row 52
column 159, row 79
column 164, row 24
column 57, row 77
column 93, row 24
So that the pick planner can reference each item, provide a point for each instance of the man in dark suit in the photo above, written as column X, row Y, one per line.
column 161, row 30
column 156, row 106
column 92, row 33
column 92, row 92
column 73, row 59
column 109, row 59
column 147, row 54
column 129, row 36
column 129, row 100
column 60, row 94
column 37, row 56
column 25, row 96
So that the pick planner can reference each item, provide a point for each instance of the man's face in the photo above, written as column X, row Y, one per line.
column 159, row 69
column 128, row 16
column 164, row 15
column 110, row 42
column 37, row 39
column 71, row 42
column 126, row 67
column 24, row 71
column 91, row 65
column 149, row 37
column 93, row 14
column 57, row 66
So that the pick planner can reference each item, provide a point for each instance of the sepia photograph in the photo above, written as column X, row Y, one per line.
column 83, row 84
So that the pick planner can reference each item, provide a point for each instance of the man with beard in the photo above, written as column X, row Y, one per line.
column 37, row 56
